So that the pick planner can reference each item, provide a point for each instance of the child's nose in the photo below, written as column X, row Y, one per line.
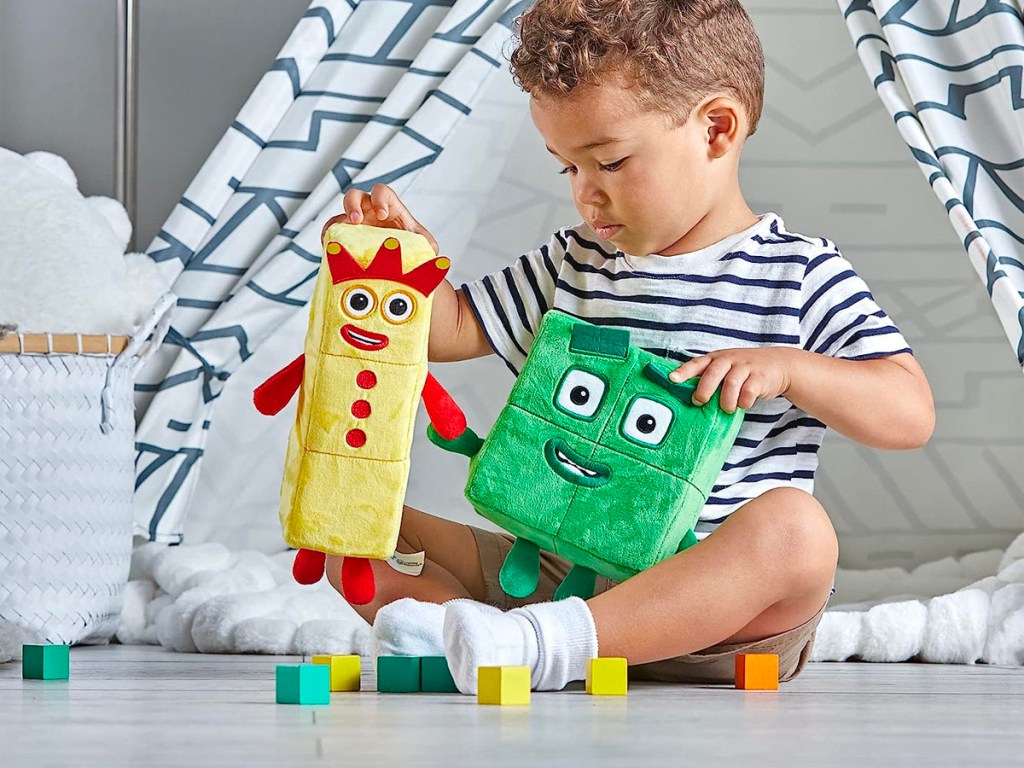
column 588, row 192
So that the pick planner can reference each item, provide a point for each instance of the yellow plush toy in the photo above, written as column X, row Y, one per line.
column 362, row 372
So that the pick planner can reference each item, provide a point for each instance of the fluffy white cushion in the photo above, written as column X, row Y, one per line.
column 62, row 255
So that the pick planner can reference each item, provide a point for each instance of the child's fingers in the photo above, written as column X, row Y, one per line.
column 355, row 202
column 382, row 208
column 713, row 375
column 690, row 369
column 751, row 390
column 732, row 385
column 385, row 203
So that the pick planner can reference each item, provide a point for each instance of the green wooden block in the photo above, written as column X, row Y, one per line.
column 45, row 662
column 303, row 684
column 398, row 674
column 435, row 677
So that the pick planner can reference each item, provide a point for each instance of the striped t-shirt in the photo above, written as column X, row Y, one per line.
column 763, row 287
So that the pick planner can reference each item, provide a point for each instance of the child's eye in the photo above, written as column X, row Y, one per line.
column 613, row 166
column 568, row 169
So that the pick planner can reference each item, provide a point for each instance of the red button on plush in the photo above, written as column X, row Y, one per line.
column 366, row 380
column 356, row 438
column 360, row 409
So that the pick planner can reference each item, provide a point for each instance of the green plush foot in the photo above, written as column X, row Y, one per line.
column 520, row 572
column 579, row 581
column 688, row 540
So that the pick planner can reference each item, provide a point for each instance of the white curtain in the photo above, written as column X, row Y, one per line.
column 362, row 92
column 951, row 74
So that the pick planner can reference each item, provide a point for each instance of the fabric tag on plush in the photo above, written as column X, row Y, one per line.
column 410, row 565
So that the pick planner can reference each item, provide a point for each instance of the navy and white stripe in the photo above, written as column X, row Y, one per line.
column 763, row 287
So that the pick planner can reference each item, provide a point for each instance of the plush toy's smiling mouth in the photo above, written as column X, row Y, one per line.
column 571, row 466
column 361, row 339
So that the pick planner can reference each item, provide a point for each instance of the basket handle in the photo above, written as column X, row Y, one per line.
column 157, row 323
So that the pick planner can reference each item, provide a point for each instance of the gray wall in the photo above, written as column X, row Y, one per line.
column 57, row 84
column 57, row 80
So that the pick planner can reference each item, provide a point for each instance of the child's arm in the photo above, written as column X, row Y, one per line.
column 883, row 403
column 455, row 333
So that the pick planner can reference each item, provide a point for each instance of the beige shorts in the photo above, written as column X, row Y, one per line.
column 712, row 665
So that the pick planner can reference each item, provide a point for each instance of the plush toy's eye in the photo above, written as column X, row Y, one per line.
column 399, row 306
column 580, row 393
column 359, row 301
column 647, row 421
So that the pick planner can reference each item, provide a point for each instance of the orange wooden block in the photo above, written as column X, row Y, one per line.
column 757, row 671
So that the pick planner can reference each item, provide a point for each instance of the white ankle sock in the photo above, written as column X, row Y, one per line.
column 409, row 627
column 476, row 635
column 553, row 639
column 567, row 639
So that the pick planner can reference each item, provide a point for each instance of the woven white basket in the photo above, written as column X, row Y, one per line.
column 67, row 477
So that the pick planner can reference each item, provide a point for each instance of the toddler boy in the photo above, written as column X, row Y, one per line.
column 646, row 105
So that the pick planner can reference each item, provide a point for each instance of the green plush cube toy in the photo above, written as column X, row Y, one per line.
column 597, row 456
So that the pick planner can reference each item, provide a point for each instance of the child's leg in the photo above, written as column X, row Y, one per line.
column 767, row 569
column 451, row 569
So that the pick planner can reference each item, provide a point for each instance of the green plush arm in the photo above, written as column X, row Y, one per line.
column 468, row 443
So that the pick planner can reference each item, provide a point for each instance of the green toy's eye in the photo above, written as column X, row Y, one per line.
column 647, row 421
column 580, row 393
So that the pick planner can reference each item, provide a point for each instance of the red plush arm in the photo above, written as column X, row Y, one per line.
column 447, row 418
column 274, row 393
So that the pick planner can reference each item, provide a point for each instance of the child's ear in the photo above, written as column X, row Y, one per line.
column 724, row 120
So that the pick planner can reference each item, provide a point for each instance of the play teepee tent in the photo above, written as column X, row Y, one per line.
column 417, row 95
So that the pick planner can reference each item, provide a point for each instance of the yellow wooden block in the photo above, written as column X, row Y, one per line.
column 757, row 671
column 344, row 671
column 503, row 685
column 607, row 676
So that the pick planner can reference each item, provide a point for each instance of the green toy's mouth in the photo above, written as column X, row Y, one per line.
column 573, row 467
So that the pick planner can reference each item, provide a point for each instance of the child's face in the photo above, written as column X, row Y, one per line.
column 645, row 190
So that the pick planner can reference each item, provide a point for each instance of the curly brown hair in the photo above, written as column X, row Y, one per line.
column 676, row 52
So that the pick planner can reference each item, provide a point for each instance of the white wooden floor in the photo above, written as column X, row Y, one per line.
column 144, row 706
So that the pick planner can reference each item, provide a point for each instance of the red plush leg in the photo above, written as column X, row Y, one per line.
column 448, row 419
column 357, row 580
column 308, row 567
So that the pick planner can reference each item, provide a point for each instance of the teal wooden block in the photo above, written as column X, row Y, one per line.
column 398, row 674
column 435, row 676
column 45, row 662
column 303, row 684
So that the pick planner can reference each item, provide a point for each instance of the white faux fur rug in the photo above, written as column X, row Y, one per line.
column 976, row 615
column 206, row 598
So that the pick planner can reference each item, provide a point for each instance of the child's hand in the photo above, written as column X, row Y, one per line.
column 744, row 375
column 382, row 208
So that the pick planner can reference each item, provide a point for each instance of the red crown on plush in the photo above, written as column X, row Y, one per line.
column 386, row 265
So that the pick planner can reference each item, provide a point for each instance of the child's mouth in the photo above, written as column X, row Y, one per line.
column 606, row 232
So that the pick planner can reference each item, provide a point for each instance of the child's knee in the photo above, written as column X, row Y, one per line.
column 792, row 524
column 810, row 537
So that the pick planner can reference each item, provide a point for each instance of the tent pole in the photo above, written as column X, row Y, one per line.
column 126, row 104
